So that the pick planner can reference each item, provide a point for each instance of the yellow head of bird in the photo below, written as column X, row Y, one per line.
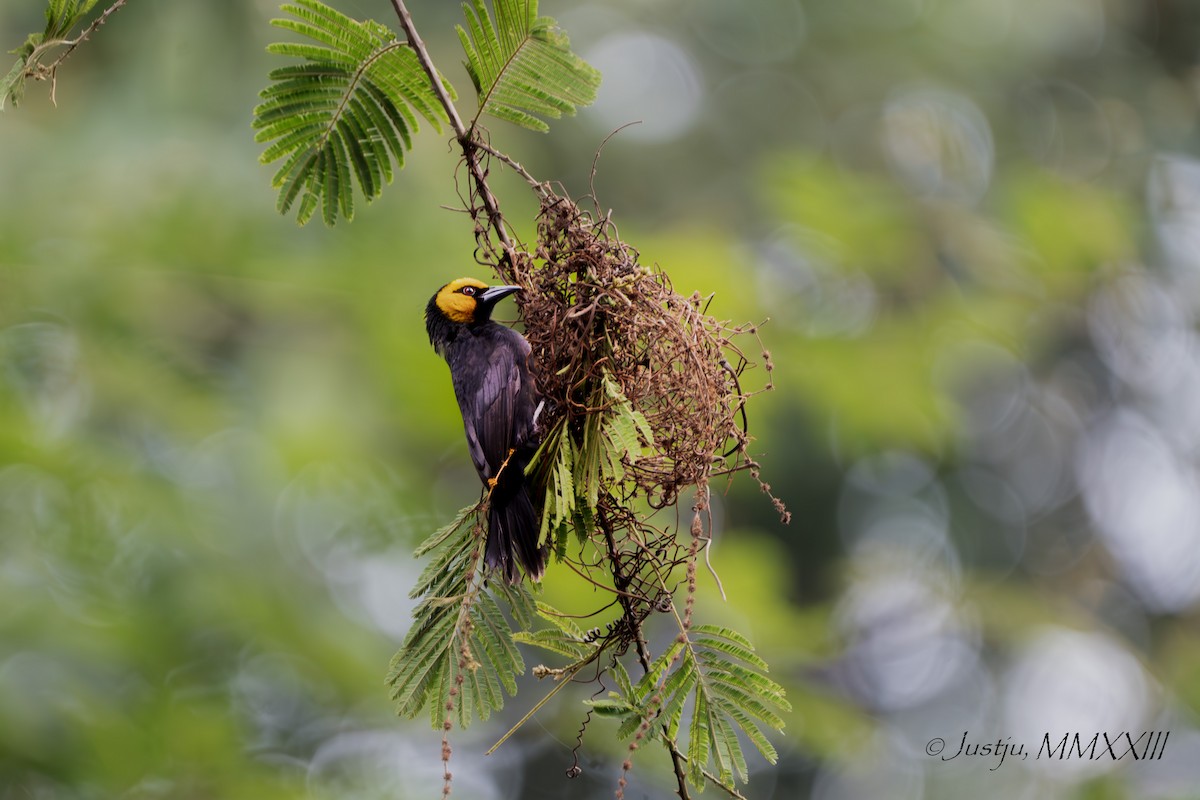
column 458, row 299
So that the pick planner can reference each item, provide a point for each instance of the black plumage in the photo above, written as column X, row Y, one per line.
column 489, row 369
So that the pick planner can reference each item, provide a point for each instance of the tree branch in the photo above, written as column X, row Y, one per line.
column 465, row 136
column 635, row 624
column 42, row 72
column 516, row 167
column 82, row 37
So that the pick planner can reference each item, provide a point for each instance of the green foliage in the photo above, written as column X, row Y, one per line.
column 717, row 670
column 459, row 654
column 713, row 671
column 1073, row 227
column 348, row 112
column 350, row 108
column 12, row 85
column 564, row 637
column 554, row 462
column 1046, row 240
column 575, row 475
column 61, row 17
column 522, row 65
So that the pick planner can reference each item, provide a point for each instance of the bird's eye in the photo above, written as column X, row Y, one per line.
column 469, row 291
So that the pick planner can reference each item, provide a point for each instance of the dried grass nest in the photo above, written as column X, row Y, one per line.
column 590, row 308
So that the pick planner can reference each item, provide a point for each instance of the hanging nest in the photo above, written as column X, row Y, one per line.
column 593, row 314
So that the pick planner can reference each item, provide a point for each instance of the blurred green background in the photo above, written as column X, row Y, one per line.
column 973, row 224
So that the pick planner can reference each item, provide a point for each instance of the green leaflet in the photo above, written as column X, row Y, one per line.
column 13, row 84
column 612, row 706
column 575, row 476
column 553, row 466
column 564, row 637
column 715, row 672
column 460, row 649
column 554, row 641
column 624, row 428
column 522, row 65
column 62, row 15
column 346, row 114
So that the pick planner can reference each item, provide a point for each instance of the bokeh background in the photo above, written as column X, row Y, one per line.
column 974, row 226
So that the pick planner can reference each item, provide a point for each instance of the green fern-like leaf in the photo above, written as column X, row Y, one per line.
column 522, row 65
column 460, row 649
column 62, row 15
column 347, row 113
column 624, row 429
column 564, row 638
column 611, row 437
column 725, row 680
column 576, row 475
column 554, row 465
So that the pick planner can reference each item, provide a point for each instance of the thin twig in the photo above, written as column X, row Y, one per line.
column 558, row 687
column 82, row 37
column 466, row 137
column 596, row 160
column 635, row 624
column 516, row 167
column 720, row 784
column 50, row 71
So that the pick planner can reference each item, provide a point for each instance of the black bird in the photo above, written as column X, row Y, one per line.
column 489, row 369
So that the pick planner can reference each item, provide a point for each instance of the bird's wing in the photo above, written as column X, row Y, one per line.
column 490, row 412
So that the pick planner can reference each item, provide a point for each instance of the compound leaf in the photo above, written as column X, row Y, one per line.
column 522, row 64
column 344, row 115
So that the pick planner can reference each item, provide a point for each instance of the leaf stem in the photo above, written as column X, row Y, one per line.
column 465, row 136
column 562, row 682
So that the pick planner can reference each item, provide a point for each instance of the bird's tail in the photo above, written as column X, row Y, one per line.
column 512, row 540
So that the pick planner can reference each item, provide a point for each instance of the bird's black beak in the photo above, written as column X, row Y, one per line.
column 492, row 295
